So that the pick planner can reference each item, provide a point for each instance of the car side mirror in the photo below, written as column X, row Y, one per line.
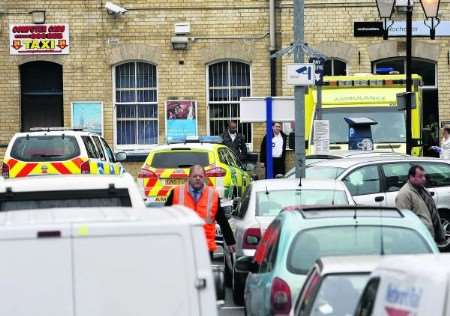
column 246, row 264
column 121, row 156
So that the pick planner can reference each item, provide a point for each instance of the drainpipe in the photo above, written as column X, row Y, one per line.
column 272, row 48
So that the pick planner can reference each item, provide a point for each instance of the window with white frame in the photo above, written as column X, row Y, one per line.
column 228, row 81
column 136, row 104
column 335, row 67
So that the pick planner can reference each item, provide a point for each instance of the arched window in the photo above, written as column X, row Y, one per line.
column 136, row 105
column 228, row 81
column 335, row 67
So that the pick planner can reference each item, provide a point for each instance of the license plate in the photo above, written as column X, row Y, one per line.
column 174, row 181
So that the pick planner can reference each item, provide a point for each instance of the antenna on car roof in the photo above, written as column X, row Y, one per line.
column 267, row 191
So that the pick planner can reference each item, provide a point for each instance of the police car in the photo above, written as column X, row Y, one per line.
column 59, row 151
column 168, row 165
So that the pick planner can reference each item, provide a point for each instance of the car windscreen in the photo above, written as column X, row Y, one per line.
column 180, row 159
column 322, row 172
column 272, row 202
column 349, row 287
column 10, row 201
column 390, row 127
column 45, row 148
column 309, row 245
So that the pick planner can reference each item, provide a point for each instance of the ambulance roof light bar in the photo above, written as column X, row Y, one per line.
column 195, row 139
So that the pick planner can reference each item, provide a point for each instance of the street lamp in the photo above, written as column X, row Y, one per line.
column 385, row 9
column 431, row 9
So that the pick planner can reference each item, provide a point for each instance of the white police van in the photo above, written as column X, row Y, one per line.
column 408, row 285
column 105, row 262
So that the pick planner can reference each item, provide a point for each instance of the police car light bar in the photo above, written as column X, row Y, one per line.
column 195, row 139
column 52, row 129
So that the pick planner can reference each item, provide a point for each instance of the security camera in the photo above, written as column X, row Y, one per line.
column 114, row 9
column 179, row 42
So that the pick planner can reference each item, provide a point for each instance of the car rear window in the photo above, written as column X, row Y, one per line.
column 309, row 245
column 45, row 148
column 271, row 203
column 180, row 159
column 69, row 198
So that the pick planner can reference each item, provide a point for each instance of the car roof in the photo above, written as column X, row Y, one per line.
column 348, row 264
column 56, row 133
column 154, row 216
column 295, row 220
column 351, row 153
column 285, row 183
column 346, row 163
column 187, row 146
column 65, row 182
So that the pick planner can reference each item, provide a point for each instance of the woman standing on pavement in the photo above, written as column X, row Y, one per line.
column 444, row 149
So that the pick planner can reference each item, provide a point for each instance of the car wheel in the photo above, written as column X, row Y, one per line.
column 238, row 290
column 227, row 274
column 445, row 222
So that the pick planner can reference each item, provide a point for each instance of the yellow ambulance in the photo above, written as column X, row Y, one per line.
column 365, row 95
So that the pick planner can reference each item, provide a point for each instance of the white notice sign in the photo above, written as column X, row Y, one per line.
column 321, row 136
column 300, row 74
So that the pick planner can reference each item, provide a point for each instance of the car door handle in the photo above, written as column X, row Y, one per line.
column 379, row 198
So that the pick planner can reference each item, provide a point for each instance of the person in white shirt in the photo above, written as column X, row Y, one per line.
column 444, row 149
column 279, row 142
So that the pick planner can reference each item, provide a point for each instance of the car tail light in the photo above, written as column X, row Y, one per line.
column 5, row 170
column 85, row 168
column 280, row 297
column 252, row 236
column 216, row 172
column 146, row 174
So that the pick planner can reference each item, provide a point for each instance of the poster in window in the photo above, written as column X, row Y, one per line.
column 181, row 118
column 88, row 115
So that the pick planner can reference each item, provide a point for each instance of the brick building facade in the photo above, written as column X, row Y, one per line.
column 127, row 62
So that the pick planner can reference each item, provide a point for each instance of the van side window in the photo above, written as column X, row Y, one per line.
column 90, row 147
column 367, row 301
column 438, row 174
column 99, row 147
column 365, row 180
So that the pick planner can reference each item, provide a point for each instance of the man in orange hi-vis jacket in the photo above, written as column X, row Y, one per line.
column 205, row 201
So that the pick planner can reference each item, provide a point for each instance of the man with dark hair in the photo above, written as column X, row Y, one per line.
column 279, row 142
column 413, row 196
column 235, row 141
column 204, row 201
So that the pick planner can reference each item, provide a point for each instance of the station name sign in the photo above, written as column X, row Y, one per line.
column 367, row 29
column 39, row 39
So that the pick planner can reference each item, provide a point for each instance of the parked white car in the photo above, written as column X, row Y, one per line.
column 262, row 202
column 408, row 285
column 105, row 262
column 70, row 191
column 377, row 180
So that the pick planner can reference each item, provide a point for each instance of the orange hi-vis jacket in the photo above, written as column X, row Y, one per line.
column 206, row 207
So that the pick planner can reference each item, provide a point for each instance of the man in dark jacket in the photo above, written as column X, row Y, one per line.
column 235, row 141
column 279, row 141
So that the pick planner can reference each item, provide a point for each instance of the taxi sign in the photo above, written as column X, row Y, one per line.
column 300, row 74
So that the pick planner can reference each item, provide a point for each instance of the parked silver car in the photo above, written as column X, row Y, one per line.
column 346, row 275
column 262, row 202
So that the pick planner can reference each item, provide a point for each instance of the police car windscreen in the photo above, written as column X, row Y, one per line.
column 179, row 159
column 45, row 148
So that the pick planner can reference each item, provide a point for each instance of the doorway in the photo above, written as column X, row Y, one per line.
column 41, row 95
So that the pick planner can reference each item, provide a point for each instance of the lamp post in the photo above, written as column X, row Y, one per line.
column 385, row 10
